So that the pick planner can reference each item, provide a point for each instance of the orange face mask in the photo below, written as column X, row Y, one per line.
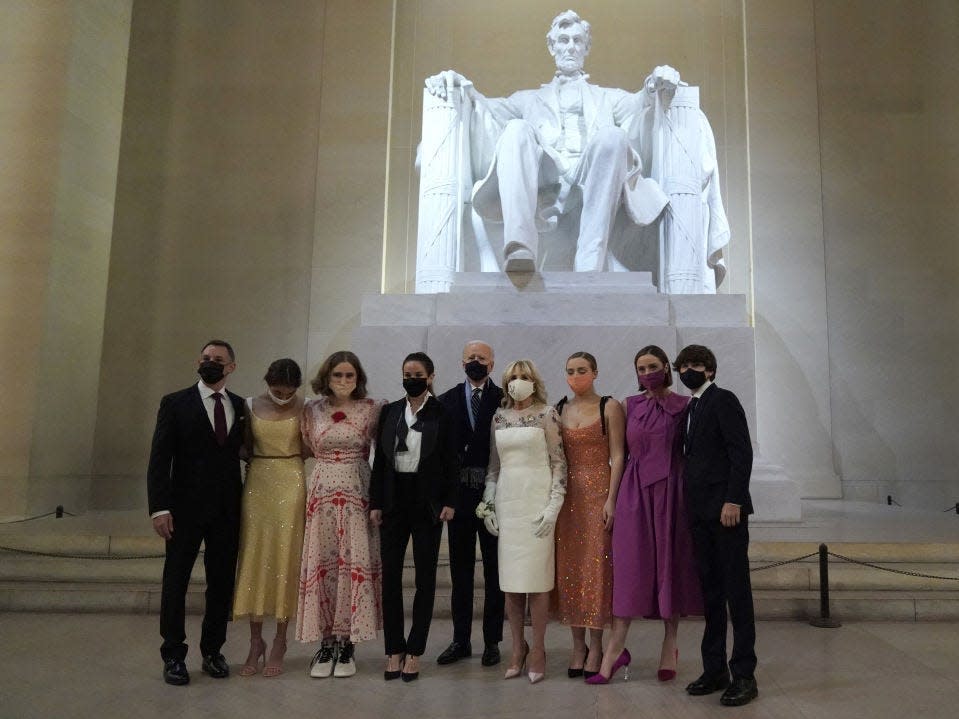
column 579, row 383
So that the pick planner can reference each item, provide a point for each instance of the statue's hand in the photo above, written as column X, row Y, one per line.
column 442, row 84
column 663, row 77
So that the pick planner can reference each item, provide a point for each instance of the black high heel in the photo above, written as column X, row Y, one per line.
column 389, row 675
column 409, row 676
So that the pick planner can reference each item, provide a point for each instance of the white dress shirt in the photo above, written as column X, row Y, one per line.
column 206, row 394
column 409, row 462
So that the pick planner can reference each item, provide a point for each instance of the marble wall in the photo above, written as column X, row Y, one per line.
column 63, row 66
column 889, row 119
column 249, row 201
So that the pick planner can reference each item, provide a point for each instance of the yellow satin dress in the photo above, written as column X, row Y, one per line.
column 271, row 528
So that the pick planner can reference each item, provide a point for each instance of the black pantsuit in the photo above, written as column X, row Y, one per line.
column 410, row 519
column 411, row 505
column 199, row 482
column 718, row 465
column 473, row 446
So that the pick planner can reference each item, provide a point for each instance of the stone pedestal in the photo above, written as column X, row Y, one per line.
column 548, row 316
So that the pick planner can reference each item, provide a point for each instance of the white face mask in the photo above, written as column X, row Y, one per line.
column 279, row 401
column 520, row 389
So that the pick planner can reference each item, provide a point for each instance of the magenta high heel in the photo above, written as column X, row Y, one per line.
column 622, row 660
column 666, row 675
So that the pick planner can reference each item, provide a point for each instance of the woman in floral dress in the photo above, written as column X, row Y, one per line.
column 340, row 577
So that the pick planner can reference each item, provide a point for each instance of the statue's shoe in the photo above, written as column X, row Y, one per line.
column 520, row 261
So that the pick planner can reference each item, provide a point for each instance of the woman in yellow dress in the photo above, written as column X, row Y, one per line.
column 271, row 527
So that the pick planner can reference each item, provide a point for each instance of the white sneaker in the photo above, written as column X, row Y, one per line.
column 345, row 664
column 322, row 665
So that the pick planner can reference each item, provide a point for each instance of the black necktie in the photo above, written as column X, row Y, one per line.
column 219, row 418
column 690, row 414
column 402, row 429
column 475, row 403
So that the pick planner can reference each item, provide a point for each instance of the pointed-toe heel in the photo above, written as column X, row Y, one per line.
column 667, row 675
column 513, row 672
column 622, row 660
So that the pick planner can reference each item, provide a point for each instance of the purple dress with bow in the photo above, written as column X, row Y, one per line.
column 654, row 570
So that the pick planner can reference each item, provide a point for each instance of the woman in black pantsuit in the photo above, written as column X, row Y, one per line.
column 412, row 492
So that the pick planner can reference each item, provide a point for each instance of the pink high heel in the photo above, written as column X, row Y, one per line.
column 536, row 677
column 666, row 675
column 514, row 671
column 622, row 660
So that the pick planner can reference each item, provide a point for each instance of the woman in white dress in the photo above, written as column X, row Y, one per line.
column 524, row 492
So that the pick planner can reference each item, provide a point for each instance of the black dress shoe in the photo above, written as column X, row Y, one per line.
column 215, row 665
column 409, row 677
column 174, row 672
column 742, row 691
column 454, row 652
column 491, row 655
column 587, row 674
column 707, row 684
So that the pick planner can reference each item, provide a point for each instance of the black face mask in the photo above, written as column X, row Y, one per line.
column 210, row 372
column 415, row 386
column 476, row 370
column 693, row 378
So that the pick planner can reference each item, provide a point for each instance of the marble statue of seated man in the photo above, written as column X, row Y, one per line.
column 567, row 144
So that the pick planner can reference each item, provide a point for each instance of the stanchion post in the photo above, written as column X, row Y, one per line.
column 824, row 620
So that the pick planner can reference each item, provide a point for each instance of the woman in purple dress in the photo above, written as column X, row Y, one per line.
column 654, row 572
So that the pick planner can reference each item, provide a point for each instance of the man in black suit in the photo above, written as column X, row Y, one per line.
column 471, row 405
column 194, row 487
column 719, row 460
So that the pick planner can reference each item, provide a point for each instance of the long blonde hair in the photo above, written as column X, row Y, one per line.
column 523, row 366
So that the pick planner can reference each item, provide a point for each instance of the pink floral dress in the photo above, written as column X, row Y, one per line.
column 340, row 573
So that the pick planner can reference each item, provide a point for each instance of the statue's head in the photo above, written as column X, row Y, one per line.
column 568, row 41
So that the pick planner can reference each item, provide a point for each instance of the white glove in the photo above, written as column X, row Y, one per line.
column 486, row 511
column 543, row 526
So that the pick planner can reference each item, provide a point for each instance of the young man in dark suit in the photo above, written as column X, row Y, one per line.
column 194, row 487
column 471, row 405
column 719, row 460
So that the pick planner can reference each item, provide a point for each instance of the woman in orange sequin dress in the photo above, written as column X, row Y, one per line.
column 593, row 430
column 340, row 575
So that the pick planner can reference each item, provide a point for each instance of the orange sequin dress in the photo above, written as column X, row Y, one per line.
column 584, row 565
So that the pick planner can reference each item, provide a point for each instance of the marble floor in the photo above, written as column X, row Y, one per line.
column 94, row 665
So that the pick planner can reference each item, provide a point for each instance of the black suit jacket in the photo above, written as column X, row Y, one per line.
column 472, row 445
column 719, row 455
column 437, row 476
column 190, row 474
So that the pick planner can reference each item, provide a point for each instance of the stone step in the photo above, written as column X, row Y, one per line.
column 90, row 569
column 143, row 598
